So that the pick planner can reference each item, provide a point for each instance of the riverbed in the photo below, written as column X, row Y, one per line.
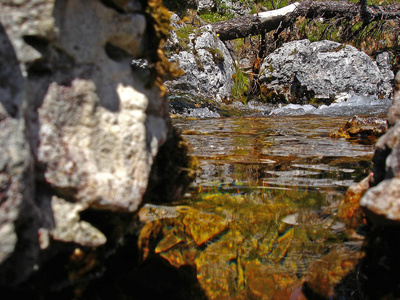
column 260, row 219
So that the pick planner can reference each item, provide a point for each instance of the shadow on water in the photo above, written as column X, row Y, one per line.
column 260, row 220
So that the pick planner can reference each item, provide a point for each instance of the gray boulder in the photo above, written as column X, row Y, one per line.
column 324, row 71
column 79, row 129
column 208, row 67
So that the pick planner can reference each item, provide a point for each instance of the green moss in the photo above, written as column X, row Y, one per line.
column 185, row 31
column 293, row 52
column 158, row 29
column 183, row 34
column 214, row 17
column 240, row 86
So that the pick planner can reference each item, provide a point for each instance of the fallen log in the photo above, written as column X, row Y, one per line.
column 284, row 17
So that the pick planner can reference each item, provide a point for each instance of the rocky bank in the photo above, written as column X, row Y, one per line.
column 372, row 207
column 206, row 62
column 323, row 71
column 80, row 131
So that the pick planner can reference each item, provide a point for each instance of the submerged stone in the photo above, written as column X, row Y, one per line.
column 203, row 226
column 238, row 245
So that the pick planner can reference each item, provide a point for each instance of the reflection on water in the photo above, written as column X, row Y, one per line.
column 289, row 151
column 259, row 221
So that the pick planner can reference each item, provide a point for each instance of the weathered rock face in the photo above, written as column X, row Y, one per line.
column 326, row 71
column 205, row 60
column 382, row 200
column 79, row 130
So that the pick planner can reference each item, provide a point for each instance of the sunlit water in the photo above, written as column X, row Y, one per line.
column 259, row 220
column 287, row 151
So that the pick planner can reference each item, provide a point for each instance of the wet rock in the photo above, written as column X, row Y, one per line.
column 79, row 131
column 238, row 245
column 355, row 105
column 349, row 209
column 203, row 226
column 206, row 62
column 203, row 113
column 326, row 273
column 381, row 205
column 324, row 71
column 381, row 200
column 358, row 128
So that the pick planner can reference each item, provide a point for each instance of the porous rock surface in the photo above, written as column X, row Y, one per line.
column 79, row 130
column 382, row 200
column 326, row 71
column 236, row 8
column 207, row 64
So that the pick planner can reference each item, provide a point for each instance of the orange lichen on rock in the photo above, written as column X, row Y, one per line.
column 362, row 128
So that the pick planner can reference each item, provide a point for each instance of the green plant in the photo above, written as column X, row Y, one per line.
column 240, row 85
column 214, row 17
column 293, row 52
column 183, row 34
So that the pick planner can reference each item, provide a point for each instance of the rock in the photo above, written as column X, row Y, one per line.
column 17, row 207
column 365, row 129
column 225, row 7
column 240, row 248
column 205, row 5
column 206, row 62
column 381, row 201
column 69, row 228
column 235, row 8
column 394, row 112
column 80, row 130
column 323, row 71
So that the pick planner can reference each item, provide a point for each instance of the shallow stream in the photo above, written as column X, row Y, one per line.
column 259, row 222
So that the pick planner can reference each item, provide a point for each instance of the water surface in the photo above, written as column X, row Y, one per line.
column 260, row 220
